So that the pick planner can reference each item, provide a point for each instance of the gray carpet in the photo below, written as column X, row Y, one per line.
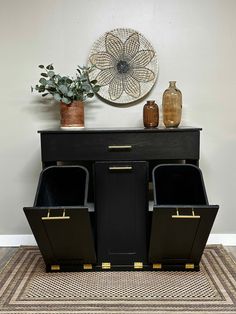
column 26, row 288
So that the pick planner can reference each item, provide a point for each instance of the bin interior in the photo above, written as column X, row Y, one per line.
column 178, row 185
column 62, row 186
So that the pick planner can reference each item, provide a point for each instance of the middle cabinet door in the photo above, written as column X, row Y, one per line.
column 121, row 205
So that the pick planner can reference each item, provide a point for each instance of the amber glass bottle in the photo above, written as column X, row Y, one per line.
column 150, row 114
column 172, row 106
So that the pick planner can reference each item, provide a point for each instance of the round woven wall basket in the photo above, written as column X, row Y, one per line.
column 125, row 65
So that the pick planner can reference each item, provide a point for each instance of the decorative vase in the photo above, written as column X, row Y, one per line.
column 72, row 115
column 150, row 114
column 172, row 106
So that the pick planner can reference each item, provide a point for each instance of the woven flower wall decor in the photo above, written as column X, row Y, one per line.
column 126, row 65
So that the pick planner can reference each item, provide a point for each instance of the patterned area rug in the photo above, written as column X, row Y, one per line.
column 26, row 288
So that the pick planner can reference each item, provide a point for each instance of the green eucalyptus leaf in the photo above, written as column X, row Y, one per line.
column 84, row 81
column 43, row 81
column 41, row 66
column 66, row 100
column 44, row 74
column 79, row 97
column 51, row 90
column 68, row 80
column 90, row 95
column 51, row 83
column 41, row 88
column 50, row 67
column 86, row 87
column 57, row 97
column 45, row 94
column 63, row 89
column 70, row 94
column 79, row 91
column 96, row 88
column 51, row 73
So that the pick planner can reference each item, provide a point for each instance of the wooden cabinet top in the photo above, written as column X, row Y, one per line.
column 122, row 130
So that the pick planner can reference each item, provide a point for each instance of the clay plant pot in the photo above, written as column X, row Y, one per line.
column 72, row 115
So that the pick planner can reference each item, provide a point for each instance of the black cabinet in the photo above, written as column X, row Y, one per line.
column 120, row 231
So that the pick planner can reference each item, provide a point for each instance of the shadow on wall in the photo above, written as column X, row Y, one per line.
column 45, row 109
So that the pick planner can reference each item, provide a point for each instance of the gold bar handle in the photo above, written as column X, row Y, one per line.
column 63, row 217
column 116, row 168
column 119, row 147
column 193, row 216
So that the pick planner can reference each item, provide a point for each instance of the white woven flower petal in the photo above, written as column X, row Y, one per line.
column 142, row 58
column 105, row 76
column 131, row 46
column 132, row 87
column 102, row 60
column 133, row 60
column 142, row 74
column 115, row 88
column 114, row 46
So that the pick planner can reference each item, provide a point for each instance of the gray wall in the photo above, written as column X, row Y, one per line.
column 196, row 46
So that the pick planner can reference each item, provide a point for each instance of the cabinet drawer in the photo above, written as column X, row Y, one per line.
column 143, row 145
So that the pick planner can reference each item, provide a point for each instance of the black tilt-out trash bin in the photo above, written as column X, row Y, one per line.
column 121, row 213
column 182, row 218
column 60, row 220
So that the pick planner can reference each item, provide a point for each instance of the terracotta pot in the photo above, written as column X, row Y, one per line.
column 72, row 115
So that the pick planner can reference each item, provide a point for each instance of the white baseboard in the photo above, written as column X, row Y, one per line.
column 28, row 239
column 17, row 240
column 222, row 238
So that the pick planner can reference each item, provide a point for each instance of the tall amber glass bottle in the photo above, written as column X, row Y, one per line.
column 150, row 114
column 172, row 106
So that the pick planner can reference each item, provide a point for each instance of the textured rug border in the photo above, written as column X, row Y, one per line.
column 222, row 262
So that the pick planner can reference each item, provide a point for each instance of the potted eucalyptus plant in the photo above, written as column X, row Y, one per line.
column 70, row 92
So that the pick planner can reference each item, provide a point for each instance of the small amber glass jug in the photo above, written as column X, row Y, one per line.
column 150, row 114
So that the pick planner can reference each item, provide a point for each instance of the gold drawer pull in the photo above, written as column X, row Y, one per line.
column 87, row 266
column 189, row 266
column 138, row 265
column 106, row 265
column 55, row 267
column 120, row 147
column 157, row 266
column 193, row 216
column 63, row 217
column 116, row 168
